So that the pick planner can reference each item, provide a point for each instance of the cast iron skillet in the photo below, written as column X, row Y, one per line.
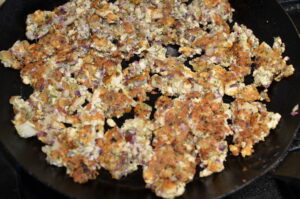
column 264, row 17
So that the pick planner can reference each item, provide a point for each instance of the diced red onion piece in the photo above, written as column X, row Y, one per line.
column 233, row 85
column 51, row 142
column 62, row 11
column 294, row 113
column 41, row 134
column 218, row 95
column 130, row 137
column 77, row 93
column 183, row 127
column 100, row 151
column 222, row 147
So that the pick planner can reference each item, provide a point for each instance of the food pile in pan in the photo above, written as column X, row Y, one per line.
column 94, row 62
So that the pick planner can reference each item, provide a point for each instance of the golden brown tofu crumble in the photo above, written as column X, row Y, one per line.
column 94, row 62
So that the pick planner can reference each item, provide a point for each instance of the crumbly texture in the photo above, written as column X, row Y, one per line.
column 93, row 62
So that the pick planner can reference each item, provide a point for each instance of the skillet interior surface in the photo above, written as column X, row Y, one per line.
column 264, row 17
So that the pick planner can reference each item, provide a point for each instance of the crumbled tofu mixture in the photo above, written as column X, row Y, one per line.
column 94, row 61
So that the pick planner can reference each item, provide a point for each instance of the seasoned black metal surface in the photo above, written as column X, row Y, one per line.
column 264, row 17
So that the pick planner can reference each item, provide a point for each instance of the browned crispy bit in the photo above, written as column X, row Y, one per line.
column 220, row 22
column 213, row 3
column 203, row 42
column 9, row 60
column 116, row 155
column 136, row 1
column 112, row 18
column 210, row 117
column 251, row 124
column 243, row 58
column 81, row 169
column 270, row 64
column 116, row 103
column 100, row 42
column 248, row 93
column 128, row 28
column 200, row 65
column 168, row 171
column 111, row 156
column 163, row 102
